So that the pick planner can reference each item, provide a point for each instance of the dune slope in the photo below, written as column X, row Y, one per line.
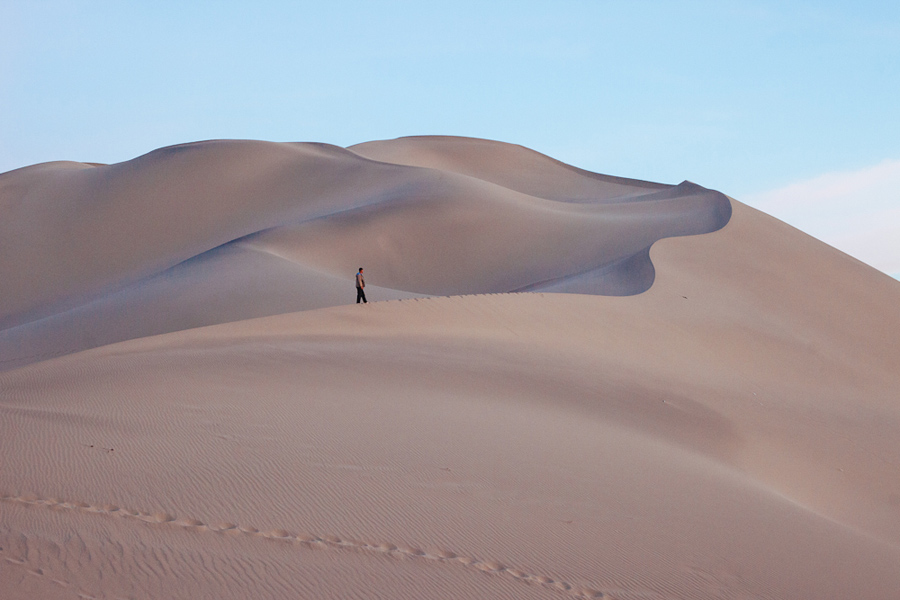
column 728, row 433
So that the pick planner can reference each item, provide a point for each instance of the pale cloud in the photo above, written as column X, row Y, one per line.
column 857, row 212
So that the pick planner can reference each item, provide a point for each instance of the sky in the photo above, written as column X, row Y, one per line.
column 791, row 107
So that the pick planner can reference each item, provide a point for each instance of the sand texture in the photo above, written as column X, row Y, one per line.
column 567, row 385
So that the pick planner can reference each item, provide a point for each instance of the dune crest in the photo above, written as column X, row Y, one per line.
column 515, row 167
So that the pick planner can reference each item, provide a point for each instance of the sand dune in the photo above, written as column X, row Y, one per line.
column 79, row 237
column 729, row 432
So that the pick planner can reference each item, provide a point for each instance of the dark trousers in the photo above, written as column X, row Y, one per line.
column 360, row 296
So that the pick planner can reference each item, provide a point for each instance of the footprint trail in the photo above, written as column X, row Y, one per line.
column 314, row 541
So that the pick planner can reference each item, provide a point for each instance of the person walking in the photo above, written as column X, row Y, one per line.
column 360, row 286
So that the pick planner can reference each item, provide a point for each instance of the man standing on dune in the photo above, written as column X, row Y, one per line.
column 360, row 284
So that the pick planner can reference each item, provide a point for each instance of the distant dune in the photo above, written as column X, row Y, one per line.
column 191, row 407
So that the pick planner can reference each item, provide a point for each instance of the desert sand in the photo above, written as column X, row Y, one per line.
column 565, row 385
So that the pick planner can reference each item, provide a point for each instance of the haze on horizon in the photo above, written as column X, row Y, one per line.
column 789, row 107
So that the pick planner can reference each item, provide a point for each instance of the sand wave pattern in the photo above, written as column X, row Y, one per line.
column 306, row 539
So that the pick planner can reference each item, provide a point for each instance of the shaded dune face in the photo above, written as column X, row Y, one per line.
column 516, row 221
column 429, row 215
column 468, row 236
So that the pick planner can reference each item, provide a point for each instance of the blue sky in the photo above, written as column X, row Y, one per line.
column 760, row 100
